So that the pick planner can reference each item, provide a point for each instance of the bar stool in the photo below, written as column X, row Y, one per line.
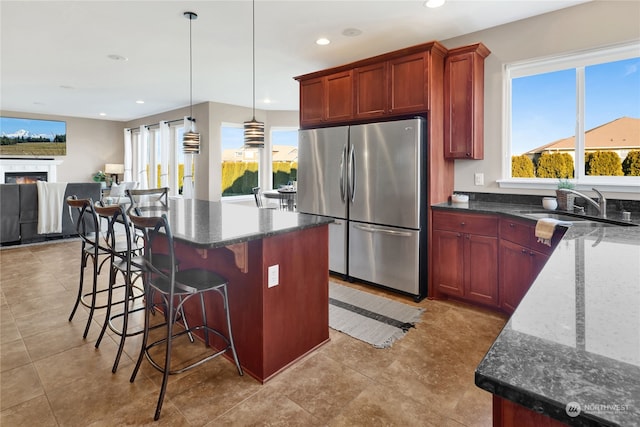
column 93, row 248
column 176, row 287
column 126, row 260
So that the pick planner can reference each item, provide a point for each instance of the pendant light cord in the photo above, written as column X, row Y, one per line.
column 253, row 48
column 190, row 73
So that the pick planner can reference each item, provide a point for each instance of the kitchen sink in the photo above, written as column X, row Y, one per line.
column 575, row 218
column 559, row 217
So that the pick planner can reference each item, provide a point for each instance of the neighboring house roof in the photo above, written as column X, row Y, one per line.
column 280, row 153
column 619, row 134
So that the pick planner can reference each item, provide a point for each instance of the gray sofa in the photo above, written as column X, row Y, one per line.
column 19, row 211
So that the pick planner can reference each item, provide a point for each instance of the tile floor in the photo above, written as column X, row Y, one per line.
column 50, row 376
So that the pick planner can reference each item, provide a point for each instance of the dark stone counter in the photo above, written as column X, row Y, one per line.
column 575, row 337
column 208, row 224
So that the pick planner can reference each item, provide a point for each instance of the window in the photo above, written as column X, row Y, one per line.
column 576, row 117
column 155, row 156
column 284, row 161
column 239, row 165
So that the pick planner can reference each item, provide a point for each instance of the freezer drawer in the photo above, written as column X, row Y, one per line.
column 338, row 246
column 386, row 256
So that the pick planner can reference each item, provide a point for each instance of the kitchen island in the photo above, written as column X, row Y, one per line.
column 570, row 353
column 277, row 266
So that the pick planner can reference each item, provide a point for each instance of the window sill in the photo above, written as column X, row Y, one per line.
column 630, row 184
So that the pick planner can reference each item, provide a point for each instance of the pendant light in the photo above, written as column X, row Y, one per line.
column 191, row 139
column 253, row 129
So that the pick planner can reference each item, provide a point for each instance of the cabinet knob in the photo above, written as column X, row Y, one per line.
column 532, row 254
column 512, row 225
column 462, row 224
column 524, row 251
column 459, row 235
column 468, row 154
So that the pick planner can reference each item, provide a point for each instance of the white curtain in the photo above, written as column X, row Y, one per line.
column 141, row 155
column 165, row 144
column 128, row 148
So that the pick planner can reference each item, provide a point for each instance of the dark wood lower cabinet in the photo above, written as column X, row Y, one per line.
column 465, row 257
column 519, row 266
column 509, row 414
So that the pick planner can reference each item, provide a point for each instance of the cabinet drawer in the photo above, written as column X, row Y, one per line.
column 520, row 232
column 484, row 225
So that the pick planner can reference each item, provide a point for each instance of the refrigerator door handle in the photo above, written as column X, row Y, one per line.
column 352, row 173
column 383, row 230
column 343, row 182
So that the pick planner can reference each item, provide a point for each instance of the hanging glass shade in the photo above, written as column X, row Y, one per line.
column 254, row 134
column 191, row 142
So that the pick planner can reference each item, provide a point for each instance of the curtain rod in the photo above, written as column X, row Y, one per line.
column 191, row 119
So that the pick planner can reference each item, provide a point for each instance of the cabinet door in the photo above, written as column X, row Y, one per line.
column 448, row 260
column 481, row 259
column 339, row 97
column 459, row 113
column 537, row 261
column 371, row 90
column 515, row 274
column 311, row 102
column 408, row 84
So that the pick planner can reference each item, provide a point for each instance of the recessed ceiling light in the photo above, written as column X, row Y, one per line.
column 66, row 87
column 116, row 57
column 434, row 3
column 103, row 114
column 266, row 101
column 351, row 32
column 139, row 101
column 323, row 41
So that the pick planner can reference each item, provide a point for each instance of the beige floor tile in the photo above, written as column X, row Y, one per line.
column 13, row 354
column 34, row 412
column 19, row 385
column 266, row 408
column 376, row 406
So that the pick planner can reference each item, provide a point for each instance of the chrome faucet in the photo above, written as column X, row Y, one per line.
column 600, row 205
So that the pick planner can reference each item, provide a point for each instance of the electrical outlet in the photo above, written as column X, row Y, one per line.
column 479, row 178
column 274, row 275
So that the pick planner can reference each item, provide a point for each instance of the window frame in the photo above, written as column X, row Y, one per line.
column 578, row 61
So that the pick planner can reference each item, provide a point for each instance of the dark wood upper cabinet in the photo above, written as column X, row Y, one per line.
column 326, row 99
column 464, row 102
column 371, row 90
column 392, row 84
column 339, row 96
column 408, row 86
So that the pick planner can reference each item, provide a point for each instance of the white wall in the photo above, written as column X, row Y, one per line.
column 91, row 144
column 589, row 25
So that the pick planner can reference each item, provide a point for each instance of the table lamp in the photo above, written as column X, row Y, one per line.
column 114, row 169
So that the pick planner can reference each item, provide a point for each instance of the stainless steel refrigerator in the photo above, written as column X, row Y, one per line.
column 370, row 178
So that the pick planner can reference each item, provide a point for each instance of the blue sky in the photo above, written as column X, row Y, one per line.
column 10, row 125
column 544, row 106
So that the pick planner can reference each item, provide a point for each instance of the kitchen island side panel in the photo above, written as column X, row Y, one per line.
column 272, row 327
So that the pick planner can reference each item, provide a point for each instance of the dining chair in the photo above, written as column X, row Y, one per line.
column 176, row 288
column 149, row 198
column 258, row 196
column 94, row 250
column 125, row 255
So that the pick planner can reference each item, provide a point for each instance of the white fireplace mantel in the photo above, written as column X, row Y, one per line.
column 29, row 165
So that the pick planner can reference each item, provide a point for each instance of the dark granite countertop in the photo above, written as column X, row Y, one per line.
column 208, row 224
column 575, row 337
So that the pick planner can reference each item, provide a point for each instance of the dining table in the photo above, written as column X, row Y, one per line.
column 286, row 196
column 276, row 264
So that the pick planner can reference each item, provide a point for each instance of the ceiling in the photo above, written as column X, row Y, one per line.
column 55, row 54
